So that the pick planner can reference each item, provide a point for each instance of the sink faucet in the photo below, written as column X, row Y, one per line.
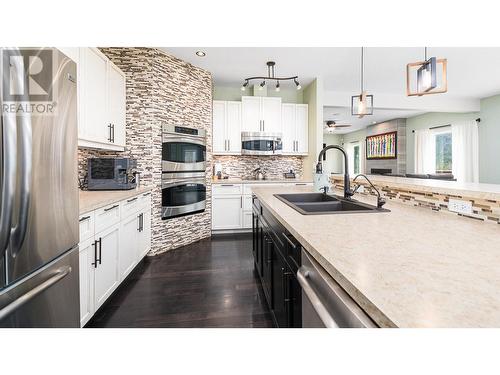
column 347, row 183
column 380, row 200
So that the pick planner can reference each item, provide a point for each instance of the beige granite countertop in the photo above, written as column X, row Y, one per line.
column 92, row 200
column 410, row 267
column 269, row 181
column 472, row 190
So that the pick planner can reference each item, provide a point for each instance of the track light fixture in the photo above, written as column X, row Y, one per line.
column 272, row 77
column 244, row 86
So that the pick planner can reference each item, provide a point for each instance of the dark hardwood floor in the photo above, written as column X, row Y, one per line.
column 210, row 283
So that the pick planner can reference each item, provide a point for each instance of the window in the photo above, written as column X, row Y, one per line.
column 356, row 159
column 444, row 155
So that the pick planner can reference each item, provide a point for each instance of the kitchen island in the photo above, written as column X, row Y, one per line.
column 410, row 267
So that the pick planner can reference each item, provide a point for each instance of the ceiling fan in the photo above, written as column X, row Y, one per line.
column 334, row 125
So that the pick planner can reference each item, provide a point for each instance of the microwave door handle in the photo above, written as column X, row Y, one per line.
column 18, row 232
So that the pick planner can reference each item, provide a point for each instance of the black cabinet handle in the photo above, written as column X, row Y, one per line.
column 109, row 127
column 110, row 208
column 289, row 241
column 100, row 250
column 95, row 254
column 131, row 200
column 113, row 132
column 146, row 194
column 84, row 218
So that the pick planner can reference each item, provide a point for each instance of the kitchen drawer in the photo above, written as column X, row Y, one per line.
column 247, row 220
column 87, row 229
column 130, row 206
column 247, row 188
column 223, row 189
column 247, row 203
column 107, row 216
column 145, row 199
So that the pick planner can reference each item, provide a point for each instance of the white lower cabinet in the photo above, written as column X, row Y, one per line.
column 106, row 275
column 86, row 280
column 107, row 257
column 232, row 204
column 226, row 212
column 128, row 248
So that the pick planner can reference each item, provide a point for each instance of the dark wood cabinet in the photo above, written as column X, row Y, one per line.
column 277, row 258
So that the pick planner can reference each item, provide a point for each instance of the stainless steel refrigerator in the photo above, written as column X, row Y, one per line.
column 39, row 283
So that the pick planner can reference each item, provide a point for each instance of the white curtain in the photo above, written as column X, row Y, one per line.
column 465, row 151
column 349, row 148
column 425, row 152
column 362, row 157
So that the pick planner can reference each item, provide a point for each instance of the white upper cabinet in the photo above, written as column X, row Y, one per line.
column 93, row 89
column 219, row 141
column 271, row 115
column 251, row 119
column 226, row 127
column 302, row 126
column 261, row 114
column 116, row 104
column 289, row 128
column 101, row 93
column 295, row 126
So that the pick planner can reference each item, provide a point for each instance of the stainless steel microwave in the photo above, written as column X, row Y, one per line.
column 261, row 143
column 111, row 173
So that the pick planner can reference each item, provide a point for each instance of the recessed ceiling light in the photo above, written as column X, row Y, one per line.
column 200, row 54
column 374, row 122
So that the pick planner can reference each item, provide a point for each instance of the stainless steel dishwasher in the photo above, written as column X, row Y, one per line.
column 324, row 302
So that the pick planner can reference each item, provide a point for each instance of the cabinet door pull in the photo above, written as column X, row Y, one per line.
column 227, row 185
column 241, row 201
column 111, row 208
column 84, row 218
column 131, row 200
column 141, row 220
column 146, row 194
column 113, row 133
column 109, row 132
column 229, row 145
column 95, row 254
column 100, row 250
column 289, row 241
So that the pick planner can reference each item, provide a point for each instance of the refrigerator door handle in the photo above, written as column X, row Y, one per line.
column 9, row 160
column 18, row 302
column 18, row 232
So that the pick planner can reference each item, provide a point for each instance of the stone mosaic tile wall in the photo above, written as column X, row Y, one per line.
column 162, row 89
column 274, row 166
column 485, row 210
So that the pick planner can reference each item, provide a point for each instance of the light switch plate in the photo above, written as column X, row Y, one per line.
column 460, row 206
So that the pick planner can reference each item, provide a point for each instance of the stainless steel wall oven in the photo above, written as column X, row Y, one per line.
column 184, row 188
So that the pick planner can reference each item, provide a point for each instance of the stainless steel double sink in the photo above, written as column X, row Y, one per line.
column 320, row 204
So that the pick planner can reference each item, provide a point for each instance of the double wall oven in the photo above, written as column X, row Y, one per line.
column 184, row 187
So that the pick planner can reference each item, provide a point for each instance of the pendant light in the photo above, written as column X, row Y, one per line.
column 362, row 104
column 427, row 76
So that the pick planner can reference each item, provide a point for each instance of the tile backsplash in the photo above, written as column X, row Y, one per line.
column 236, row 166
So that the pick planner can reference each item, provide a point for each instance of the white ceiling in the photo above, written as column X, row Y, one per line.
column 473, row 73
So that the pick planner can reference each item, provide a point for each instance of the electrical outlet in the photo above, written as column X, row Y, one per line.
column 462, row 207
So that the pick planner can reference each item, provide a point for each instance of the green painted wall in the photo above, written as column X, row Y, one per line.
column 333, row 163
column 428, row 120
column 313, row 97
column 234, row 93
column 489, row 140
